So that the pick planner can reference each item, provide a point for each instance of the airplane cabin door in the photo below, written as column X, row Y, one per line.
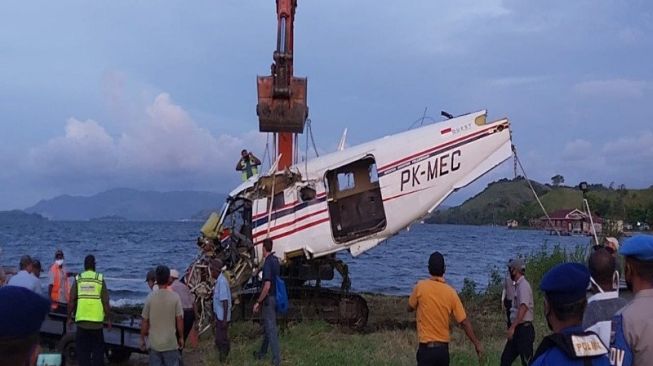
column 354, row 200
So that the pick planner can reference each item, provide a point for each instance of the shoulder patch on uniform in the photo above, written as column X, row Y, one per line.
column 588, row 345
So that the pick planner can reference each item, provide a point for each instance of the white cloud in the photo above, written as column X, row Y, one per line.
column 626, row 159
column 165, row 147
column 633, row 150
column 577, row 149
column 512, row 81
column 612, row 88
column 86, row 146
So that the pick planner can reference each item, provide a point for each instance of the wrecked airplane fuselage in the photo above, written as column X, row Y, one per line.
column 348, row 200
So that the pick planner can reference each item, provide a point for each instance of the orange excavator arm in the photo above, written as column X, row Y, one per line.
column 282, row 107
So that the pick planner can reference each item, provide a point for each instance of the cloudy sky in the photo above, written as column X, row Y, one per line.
column 161, row 95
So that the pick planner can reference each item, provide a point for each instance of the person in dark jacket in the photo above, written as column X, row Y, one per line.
column 266, row 303
column 564, row 288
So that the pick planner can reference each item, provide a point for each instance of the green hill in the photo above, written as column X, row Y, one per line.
column 513, row 199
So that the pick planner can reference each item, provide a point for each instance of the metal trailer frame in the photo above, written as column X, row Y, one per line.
column 120, row 341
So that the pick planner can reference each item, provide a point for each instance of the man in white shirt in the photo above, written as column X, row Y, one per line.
column 221, row 309
column 24, row 277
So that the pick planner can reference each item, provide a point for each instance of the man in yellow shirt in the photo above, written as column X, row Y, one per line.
column 435, row 303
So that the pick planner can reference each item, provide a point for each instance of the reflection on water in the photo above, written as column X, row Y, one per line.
column 126, row 250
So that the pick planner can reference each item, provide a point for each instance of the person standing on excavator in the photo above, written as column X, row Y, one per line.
column 248, row 164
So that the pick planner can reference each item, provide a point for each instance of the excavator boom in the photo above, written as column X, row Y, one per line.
column 282, row 107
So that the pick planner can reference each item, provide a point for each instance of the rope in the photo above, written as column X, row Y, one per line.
column 423, row 116
column 514, row 151
column 306, row 157
column 310, row 131
column 272, row 194
column 421, row 121
column 596, row 238
column 296, row 152
column 267, row 150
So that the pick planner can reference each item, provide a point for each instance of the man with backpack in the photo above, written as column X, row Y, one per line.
column 266, row 303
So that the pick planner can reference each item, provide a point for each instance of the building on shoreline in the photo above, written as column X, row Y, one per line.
column 571, row 221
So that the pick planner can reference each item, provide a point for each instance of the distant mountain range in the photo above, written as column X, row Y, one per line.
column 18, row 216
column 130, row 204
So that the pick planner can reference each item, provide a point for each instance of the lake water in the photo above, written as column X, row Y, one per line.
column 125, row 251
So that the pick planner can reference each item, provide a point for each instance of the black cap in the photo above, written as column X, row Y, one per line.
column 58, row 254
column 150, row 276
column 436, row 264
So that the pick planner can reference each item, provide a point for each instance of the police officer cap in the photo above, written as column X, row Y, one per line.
column 21, row 312
column 640, row 247
column 566, row 283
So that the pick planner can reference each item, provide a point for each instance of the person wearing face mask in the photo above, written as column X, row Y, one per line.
column 632, row 343
column 59, row 285
column 521, row 333
column 565, row 287
column 605, row 301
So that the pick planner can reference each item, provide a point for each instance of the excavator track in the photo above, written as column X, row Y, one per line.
column 333, row 306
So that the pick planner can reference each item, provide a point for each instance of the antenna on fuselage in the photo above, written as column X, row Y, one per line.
column 343, row 139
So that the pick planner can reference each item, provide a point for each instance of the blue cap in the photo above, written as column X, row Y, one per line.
column 565, row 283
column 22, row 311
column 640, row 247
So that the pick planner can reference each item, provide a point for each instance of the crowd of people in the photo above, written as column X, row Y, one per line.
column 168, row 315
column 602, row 329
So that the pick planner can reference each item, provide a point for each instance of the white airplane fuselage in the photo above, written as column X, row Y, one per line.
column 355, row 198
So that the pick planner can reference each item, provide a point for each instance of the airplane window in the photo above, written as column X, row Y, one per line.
column 307, row 194
column 374, row 175
column 346, row 181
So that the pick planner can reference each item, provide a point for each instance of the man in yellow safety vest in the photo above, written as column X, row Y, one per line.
column 89, row 301
column 248, row 165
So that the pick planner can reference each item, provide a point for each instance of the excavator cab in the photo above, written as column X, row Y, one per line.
column 282, row 104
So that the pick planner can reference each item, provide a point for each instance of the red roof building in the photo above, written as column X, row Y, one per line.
column 572, row 221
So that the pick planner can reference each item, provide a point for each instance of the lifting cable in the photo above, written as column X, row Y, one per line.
column 306, row 156
column 514, row 151
column 266, row 154
column 310, row 131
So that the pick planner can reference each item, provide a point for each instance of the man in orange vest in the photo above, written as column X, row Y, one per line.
column 59, row 286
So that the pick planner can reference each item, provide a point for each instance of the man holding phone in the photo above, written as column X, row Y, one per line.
column 248, row 165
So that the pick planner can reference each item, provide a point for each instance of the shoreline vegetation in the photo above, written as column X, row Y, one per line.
column 390, row 337
column 508, row 199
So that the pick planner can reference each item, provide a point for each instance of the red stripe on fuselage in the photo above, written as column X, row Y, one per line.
column 286, row 224
column 390, row 165
column 296, row 230
column 404, row 194
column 295, row 203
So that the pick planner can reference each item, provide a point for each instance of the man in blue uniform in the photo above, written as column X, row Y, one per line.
column 266, row 303
column 564, row 288
column 632, row 343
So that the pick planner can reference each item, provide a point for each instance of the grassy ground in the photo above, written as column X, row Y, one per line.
column 390, row 337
